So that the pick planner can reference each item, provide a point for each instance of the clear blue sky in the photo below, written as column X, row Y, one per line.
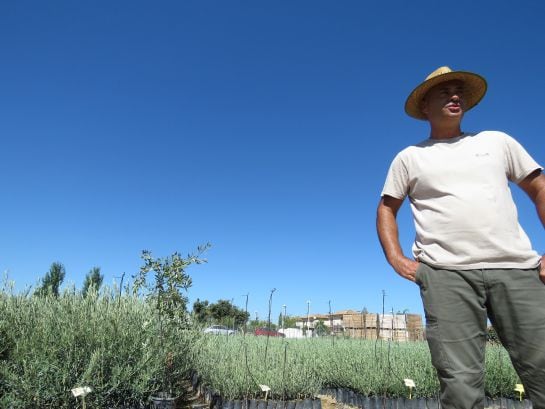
column 263, row 127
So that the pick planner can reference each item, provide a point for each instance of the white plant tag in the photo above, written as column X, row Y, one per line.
column 409, row 383
column 81, row 391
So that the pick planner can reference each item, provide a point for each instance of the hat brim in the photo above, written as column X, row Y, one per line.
column 475, row 88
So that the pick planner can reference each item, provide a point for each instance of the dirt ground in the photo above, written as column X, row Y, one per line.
column 329, row 403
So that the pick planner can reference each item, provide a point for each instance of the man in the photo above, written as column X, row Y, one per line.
column 472, row 260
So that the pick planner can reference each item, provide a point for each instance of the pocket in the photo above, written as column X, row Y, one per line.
column 418, row 273
column 436, row 344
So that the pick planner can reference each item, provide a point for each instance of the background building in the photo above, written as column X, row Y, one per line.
column 354, row 324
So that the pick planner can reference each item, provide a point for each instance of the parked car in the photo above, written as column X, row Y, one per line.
column 269, row 332
column 219, row 330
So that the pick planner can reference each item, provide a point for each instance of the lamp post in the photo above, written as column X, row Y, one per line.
column 233, row 306
column 283, row 316
column 308, row 316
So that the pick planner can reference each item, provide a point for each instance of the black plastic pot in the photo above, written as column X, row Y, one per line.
column 339, row 395
column 194, row 380
column 215, row 401
column 351, row 398
column 227, row 404
column 163, row 400
column 359, row 400
column 411, row 403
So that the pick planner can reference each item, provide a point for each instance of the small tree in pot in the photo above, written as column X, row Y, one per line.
column 166, row 290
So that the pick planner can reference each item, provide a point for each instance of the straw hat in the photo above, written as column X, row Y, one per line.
column 475, row 88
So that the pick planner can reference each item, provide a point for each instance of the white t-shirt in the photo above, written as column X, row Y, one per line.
column 464, row 214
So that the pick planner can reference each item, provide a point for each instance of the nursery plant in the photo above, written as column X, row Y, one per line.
column 164, row 283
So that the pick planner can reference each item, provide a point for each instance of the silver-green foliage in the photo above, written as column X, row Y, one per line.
column 235, row 366
column 49, row 345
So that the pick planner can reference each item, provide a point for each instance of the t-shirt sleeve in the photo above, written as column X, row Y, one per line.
column 397, row 180
column 519, row 163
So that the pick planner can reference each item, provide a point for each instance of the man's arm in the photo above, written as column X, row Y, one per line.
column 534, row 186
column 389, row 238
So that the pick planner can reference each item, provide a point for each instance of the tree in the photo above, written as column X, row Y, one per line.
column 92, row 279
column 52, row 280
column 200, row 311
column 167, row 292
column 170, row 281
column 221, row 312
column 289, row 321
column 320, row 329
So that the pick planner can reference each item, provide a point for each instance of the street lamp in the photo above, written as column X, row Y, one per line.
column 308, row 316
column 283, row 316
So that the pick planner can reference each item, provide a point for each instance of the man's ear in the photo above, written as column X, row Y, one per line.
column 423, row 106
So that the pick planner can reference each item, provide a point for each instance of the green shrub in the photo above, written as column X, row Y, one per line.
column 51, row 345
column 235, row 366
column 111, row 342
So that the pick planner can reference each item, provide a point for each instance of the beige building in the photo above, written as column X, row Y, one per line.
column 355, row 324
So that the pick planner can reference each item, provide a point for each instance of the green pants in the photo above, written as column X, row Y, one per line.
column 457, row 304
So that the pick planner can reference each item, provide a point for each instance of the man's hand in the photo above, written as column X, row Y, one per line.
column 542, row 269
column 406, row 268
column 389, row 238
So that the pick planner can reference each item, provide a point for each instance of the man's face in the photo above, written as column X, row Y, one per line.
column 445, row 102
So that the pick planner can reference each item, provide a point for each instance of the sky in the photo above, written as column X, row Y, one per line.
column 265, row 128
